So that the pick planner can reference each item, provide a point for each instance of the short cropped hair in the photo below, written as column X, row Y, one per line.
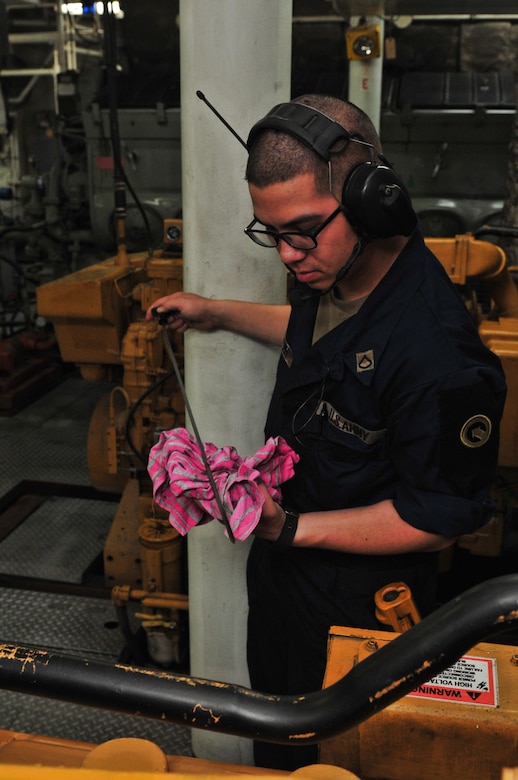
column 277, row 156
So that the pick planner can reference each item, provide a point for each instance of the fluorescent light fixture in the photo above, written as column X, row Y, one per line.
column 80, row 8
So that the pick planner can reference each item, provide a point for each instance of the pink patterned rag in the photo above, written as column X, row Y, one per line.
column 182, row 487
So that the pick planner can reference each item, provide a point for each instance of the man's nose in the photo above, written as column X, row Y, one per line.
column 289, row 254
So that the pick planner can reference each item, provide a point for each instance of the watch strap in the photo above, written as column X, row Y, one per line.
column 289, row 529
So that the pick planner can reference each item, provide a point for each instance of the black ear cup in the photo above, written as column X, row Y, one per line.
column 376, row 202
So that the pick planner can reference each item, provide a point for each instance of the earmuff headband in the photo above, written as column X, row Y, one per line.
column 309, row 125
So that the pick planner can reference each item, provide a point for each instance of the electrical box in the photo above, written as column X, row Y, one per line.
column 363, row 42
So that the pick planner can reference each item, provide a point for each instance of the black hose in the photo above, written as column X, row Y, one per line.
column 121, row 181
column 132, row 412
column 6, row 259
column 504, row 231
column 388, row 674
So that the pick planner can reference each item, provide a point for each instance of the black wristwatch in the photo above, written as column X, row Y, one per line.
column 289, row 529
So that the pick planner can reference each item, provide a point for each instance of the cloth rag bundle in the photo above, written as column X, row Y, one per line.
column 181, row 485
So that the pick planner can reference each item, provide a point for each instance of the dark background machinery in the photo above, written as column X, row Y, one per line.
column 92, row 109
column 447, row 116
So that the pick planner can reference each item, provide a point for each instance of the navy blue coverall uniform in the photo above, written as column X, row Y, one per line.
column 402, row 401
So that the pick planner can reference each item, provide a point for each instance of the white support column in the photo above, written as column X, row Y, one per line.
column 238, row 53
column 366, row 76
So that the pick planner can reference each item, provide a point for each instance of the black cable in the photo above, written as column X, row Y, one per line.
column 133, row 409
column 18, row 269
column 140, row 207
column 120, row 177
column 505, row 231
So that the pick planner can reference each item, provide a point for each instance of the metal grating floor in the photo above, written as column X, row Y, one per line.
column 46, row 442
column 68, row 534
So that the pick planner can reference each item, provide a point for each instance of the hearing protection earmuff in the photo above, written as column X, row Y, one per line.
column 375, row 200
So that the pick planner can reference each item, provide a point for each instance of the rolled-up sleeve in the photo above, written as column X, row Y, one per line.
column 444, row 446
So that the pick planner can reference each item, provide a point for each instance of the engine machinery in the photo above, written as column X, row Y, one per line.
column 98, row 317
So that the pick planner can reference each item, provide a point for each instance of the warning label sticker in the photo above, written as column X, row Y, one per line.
column 471, row 680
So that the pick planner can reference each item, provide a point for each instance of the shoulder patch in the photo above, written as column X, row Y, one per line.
column 476, row 431
column 469, row 423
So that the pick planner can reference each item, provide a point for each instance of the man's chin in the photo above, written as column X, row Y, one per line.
column 314, row 281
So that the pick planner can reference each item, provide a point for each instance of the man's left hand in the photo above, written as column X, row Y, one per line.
column 272, row 518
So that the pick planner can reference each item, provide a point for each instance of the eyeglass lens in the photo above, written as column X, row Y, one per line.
column 297, row 240
column 271, row 239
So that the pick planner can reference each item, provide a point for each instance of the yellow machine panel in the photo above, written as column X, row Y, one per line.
column 420, row 738
column 90, row 309
column 29, row 757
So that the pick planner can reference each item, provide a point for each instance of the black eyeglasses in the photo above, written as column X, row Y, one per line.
column 299, row 239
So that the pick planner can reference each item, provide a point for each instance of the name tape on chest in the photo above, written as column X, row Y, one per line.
column 325, row 409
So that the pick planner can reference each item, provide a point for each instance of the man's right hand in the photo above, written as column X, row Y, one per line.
column 183, row 311
column 261, row 321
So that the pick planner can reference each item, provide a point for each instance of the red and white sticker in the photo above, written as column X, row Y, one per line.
column 471, row 680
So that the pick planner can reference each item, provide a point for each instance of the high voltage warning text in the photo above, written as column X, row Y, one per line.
column 471, row 680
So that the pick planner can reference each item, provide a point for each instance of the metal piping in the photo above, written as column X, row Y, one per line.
column 388, row 674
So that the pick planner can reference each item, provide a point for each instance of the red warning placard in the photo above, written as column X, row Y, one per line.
column 471, row 680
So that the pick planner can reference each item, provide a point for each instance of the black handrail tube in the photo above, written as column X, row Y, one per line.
column 388, row 674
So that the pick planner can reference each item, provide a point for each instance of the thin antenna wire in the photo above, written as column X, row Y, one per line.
column 221, row 119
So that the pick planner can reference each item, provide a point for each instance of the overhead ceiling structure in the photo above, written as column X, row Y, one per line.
column 422, row 7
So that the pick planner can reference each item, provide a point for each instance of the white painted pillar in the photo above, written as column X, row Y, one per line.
column 366, row 76
column 238, row 53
